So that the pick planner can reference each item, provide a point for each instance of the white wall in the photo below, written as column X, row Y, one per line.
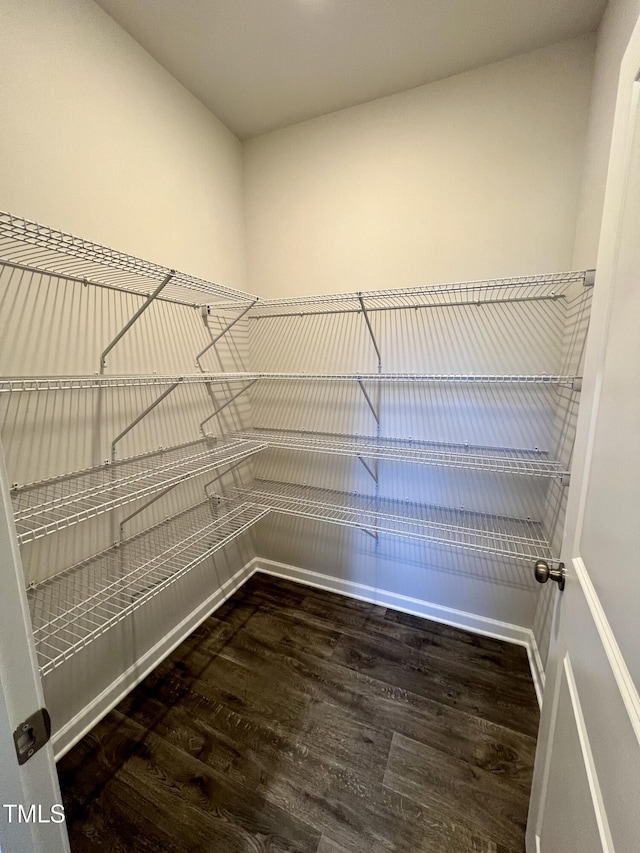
column 102, row 142
column 613, row 36
column 99, row 140
column 477, row 175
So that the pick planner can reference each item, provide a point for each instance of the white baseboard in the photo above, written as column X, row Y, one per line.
column 536, row 666
column 436, row 612
column 66, row 737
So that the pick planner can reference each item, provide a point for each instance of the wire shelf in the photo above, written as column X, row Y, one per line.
column 551, row 286
column 512, row 538
column 28, row 245
column 498, row 460
column 86, row 383
column 73, row 608
column 50, row 505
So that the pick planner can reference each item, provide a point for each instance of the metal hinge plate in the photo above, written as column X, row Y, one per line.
column 32, row 735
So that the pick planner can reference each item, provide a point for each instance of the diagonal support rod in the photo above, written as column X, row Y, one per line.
column 223, row 333
column 227, row 470
column 368, row 469
column 224, row 405
column 141, row 416
column 136, row 316
column 372, row 534
column 145, row 506
column 368, row 399
column 369, row 327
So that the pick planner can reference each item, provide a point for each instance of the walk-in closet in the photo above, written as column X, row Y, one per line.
column 294, row 418
column 363, row 435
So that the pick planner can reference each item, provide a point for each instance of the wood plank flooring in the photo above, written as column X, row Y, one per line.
column 297, row 720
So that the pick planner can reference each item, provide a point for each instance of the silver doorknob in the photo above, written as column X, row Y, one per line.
column 543, row 571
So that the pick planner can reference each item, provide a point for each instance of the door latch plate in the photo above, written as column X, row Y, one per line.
column 32, row 734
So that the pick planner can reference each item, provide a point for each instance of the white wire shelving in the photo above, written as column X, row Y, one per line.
column 72, row 609
column 50, row 505
column 36, row 248
column 513, row 538
column 498, row 460
column 551, row 286
column 75, row 607
column 10, row 384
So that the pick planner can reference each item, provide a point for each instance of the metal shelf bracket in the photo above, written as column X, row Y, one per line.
column 373, row 474
column 136, row 316
column 372, row 533
column 221, row 334
column 141, row 416
column 224, row 405
column 142, row 509
column 370, row 329
column 369, row 403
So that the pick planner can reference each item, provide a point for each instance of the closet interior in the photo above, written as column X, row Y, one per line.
column 164, row 435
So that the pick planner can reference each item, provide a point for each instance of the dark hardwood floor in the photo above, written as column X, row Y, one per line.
column 298, row 720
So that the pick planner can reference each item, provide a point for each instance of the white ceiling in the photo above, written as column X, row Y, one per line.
column 263, row 64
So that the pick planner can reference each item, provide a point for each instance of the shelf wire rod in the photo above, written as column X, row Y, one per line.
column 142, row 416
column 148, row 301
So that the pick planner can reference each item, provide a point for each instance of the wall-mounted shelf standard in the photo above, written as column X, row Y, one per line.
column 513, row 538
column 86, row 383
column 498, row 460
column 35, row 248
column 72, row 609
column 552, row 286
column 50, row 505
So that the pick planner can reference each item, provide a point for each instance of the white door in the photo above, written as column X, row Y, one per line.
column 586, row 788
column 31, row 817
